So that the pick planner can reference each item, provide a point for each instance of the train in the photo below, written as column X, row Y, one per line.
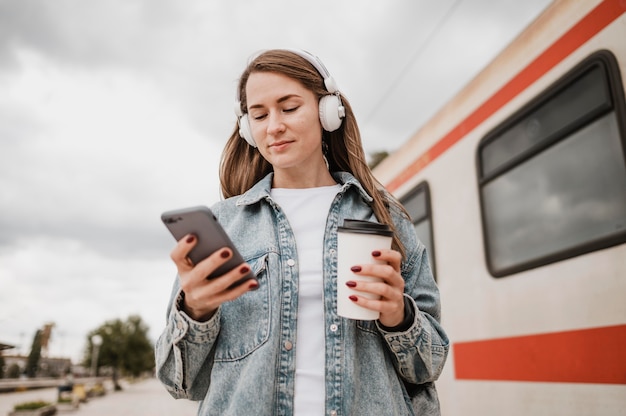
column 517, row 187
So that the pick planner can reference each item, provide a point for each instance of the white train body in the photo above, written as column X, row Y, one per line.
column 518, row 186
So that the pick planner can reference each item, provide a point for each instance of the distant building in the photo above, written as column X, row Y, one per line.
column 48, row 367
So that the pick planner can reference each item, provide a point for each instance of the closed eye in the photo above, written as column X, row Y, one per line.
column 261, row 116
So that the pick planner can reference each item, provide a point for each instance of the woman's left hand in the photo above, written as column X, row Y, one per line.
column 390, row 288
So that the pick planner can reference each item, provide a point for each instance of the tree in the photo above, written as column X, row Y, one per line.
column 140, row 356
column 376, row 158
column 125, row 348
column 32, row 364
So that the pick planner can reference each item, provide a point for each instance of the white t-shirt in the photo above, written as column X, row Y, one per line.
column 307, row 212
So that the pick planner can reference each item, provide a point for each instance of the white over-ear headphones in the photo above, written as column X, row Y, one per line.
column 331, row 110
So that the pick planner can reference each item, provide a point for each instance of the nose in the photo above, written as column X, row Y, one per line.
column 275, row 124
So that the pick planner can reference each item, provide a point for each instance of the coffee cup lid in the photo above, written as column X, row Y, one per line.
column 365, row 227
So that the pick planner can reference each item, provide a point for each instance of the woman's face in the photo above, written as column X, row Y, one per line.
column 284, row 121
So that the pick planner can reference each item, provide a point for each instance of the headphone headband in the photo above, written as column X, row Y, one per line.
column 329, row 82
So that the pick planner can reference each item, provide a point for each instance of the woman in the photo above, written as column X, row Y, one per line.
column 291, row 172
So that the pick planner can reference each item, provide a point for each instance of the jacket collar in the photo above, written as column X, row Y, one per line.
column 261, row 190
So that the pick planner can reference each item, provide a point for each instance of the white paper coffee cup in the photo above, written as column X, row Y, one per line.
column 356, row 240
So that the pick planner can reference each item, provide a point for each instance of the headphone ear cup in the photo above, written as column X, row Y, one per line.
column 331, row 112
column 244, row 130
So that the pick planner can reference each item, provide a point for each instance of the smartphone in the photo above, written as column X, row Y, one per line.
column 201, row 222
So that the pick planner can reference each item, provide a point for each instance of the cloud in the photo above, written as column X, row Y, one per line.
column 114, row 111
column 80, row 290
column 107, row 150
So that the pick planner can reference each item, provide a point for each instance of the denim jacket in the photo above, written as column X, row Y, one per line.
column 242, row 361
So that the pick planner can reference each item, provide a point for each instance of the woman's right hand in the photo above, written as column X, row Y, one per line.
column 204, row 296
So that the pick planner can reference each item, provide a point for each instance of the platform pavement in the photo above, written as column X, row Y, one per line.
column 144, row 398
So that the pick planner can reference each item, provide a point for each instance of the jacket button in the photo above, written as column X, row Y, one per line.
column 333, row 328
column 288, row 345
column 291, row 262
column 333, row 413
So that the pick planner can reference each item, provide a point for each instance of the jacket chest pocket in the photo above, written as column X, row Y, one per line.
column 245, row 321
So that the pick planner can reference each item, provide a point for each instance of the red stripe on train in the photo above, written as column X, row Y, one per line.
column 596, row 355
column 600, row 17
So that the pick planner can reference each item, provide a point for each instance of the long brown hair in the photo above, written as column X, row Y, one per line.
column 242, row 165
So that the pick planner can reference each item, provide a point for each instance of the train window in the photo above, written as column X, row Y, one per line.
column 552, row 178
column 417, row 203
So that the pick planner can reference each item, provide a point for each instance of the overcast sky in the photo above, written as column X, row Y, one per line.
column 114, row 111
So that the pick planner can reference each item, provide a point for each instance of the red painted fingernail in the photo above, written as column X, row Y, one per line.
column 244, row 270
column 355, row 269
column 350, row 283
column 376, row 253
column 254, row 286
column 224, row 254
column 190, row 239
column 353, row 298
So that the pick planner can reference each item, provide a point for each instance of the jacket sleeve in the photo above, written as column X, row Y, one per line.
column 184, row 351
column 420, row 352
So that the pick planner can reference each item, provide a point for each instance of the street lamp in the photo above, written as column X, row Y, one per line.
column 96, row 341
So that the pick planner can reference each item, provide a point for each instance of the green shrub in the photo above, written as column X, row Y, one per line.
column 31, row 405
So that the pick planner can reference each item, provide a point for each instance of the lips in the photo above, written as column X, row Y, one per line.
column 281, row 144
